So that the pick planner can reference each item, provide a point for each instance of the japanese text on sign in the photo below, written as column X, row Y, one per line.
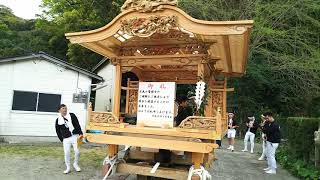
column 156, row 103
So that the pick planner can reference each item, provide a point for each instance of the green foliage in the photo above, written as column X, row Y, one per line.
column 299, row 133
column 297, row 167
column 283, row 73
column 297, row 151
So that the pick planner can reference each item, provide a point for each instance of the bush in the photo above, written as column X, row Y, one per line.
column 297, row 167
column 297, row 151
column 300, row 135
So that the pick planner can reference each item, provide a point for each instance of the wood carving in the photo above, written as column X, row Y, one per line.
column 195, row 48
column 196, row 122
column 133, row 99
column 147, row 5
column 103, row 117
column 217, row 102
column 146, row 27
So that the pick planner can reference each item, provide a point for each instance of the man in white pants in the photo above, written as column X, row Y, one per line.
column 232, row 125
column 252, row 127
column 263, row 138
column 264, row 147
column 68, row 131
column 273, row 137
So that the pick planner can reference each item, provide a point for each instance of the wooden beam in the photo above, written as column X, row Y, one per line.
column 175, row 132
column 167, row 173
column 96, row 50
column 226, row 46
column 149, row 157
column 223, row 90
column 188, row 146
column 172, row 76
column 186, row 60
column 100, row 49
column 170, row 43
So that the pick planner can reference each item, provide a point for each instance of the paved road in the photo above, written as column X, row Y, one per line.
column 239, row 165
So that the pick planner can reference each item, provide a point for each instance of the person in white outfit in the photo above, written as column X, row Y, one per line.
column 263, row 138
column 68, row 131
column 273, row 138
column 232, row 126
column 251, row 130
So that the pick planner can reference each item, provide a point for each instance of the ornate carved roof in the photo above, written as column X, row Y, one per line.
column 147, row 5
column 156, row 33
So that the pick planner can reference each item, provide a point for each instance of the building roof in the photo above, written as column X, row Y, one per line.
column 136, row 38
column 54, row 60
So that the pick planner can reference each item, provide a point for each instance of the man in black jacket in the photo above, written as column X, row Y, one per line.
column 68, row 131
column 273, row 137
column 251, row 130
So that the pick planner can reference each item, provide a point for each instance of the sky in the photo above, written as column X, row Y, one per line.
column 26, row 9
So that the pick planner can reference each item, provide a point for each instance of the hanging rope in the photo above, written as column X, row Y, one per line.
column 114, row 161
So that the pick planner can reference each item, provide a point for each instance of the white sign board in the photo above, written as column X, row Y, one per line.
column 156, row 104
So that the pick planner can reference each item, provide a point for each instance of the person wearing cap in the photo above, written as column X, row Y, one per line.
column 251, row 130
column 273, row 137
column 232, row 126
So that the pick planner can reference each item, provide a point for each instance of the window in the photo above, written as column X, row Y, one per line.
column 34, row 101
column 24, row 101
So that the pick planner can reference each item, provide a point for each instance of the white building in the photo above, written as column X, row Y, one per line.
column 32, row 87
column 104, row 95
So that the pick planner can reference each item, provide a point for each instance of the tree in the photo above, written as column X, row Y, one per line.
column 283, row 70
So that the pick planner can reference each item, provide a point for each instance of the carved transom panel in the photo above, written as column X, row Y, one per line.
column 146, row 27
column 195, row 122
column 104, row 117
column 164, row 50
column 133, row 99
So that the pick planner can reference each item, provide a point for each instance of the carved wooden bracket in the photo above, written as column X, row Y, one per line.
column 103, row 117
column 197, row 122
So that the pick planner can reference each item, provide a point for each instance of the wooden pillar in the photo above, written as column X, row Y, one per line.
column 197, row 159
column 127, row 96
column 89, row 115
column 113, row 149
column 224, row 102
column 117, row 91
column 219, row 122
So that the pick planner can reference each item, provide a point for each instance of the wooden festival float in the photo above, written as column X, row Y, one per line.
column 161, row 43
